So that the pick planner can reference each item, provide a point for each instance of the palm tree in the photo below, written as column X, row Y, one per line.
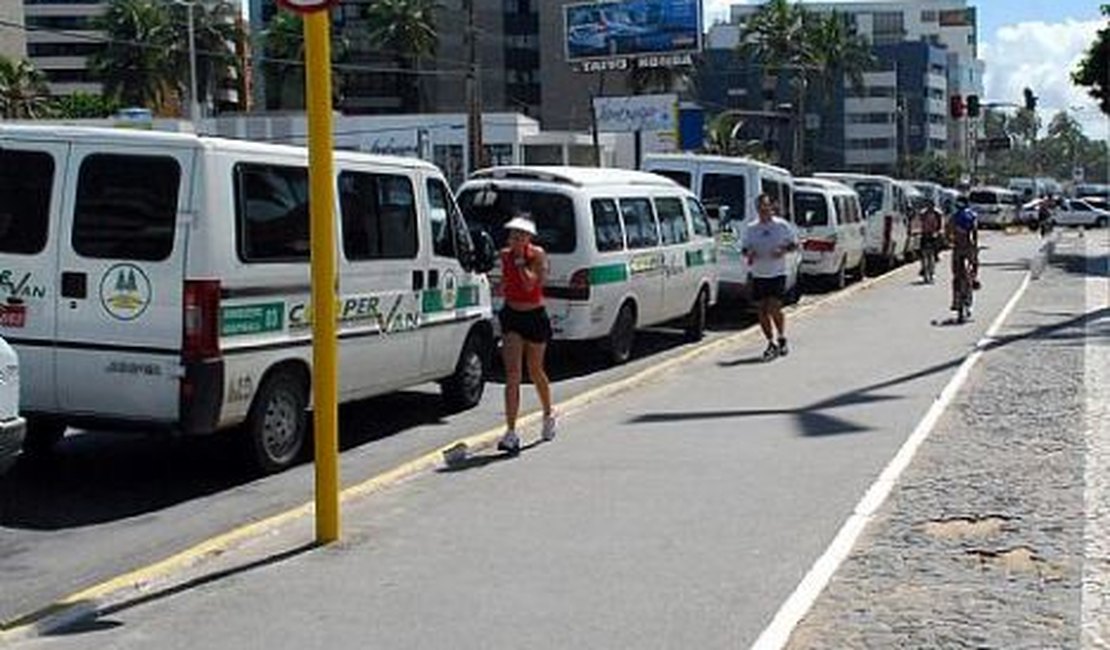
column 405, row 29
column 215, row 31
column 138, row 62
column 283, row 46
column 836, row 53
column 23, row 90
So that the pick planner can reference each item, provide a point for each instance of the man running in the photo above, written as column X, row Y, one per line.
column 963, row 232
column 930, row 234
column 766, row 243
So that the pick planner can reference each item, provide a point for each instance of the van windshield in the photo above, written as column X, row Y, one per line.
column 489, row 208
column 870, row 196
column 983, row 198
column 810, row 209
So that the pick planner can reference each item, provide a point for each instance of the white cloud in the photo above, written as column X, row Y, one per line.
column 1041, row 56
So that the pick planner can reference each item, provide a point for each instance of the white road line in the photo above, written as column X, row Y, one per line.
column 1095, row 608
column 777, row 634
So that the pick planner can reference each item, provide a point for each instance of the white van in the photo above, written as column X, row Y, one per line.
column 887, row 211
column 729, row 188
column 832, row 229
column 161, row 281
column 12, row 425
column 996, row 207
column 625, row 249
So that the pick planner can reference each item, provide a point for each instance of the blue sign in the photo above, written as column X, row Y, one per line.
column 627, row 28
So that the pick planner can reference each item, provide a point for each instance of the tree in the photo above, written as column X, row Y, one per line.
column 406, row 30
column 137, row 62
column 1093, row 70
column 84, row 106
column 283, row 47
column 834, row 54
column 216, row 30
column 23, row 90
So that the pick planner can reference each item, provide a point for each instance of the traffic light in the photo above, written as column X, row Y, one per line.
column 1030, row 100
column 973, row 105
column 956, row 106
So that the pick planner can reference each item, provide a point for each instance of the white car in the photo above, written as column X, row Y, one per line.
column 12, row 426
column 1077, row 212
column 832, row 229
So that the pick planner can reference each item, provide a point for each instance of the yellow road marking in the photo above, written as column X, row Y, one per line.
column 87, row 599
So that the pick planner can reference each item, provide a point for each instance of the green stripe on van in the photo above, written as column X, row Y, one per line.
column 609, row 274
column 695, row 258
column 432, row 299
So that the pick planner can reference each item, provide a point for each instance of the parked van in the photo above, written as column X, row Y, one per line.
column 728, row 188
column 996, row 207
column 12, row 425
column 625, row 249
column 832, row 229
column 887, row 212
column 161, row 281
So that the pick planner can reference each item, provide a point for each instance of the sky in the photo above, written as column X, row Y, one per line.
column 1034, row 43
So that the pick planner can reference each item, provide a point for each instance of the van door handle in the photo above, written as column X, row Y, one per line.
column 417, row 280
column 74, row 285
column 433, row 279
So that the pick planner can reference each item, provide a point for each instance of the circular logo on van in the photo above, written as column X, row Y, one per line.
column 125, row 292
column 450, row 289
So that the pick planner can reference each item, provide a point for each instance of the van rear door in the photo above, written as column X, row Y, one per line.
column 32, row 175
column 122, row 266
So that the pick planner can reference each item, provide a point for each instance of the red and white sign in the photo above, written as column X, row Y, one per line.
column 307, row 6
column 13, row 316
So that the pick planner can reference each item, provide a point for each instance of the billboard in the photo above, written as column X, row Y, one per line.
column 631, row 28
column 637, row 113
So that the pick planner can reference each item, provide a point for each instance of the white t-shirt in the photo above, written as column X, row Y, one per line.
column 761, row 240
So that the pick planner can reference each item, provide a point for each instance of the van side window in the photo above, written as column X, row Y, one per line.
column 379, row 216
column 271, row 210
column 26, row 180
column 607, row 225
column 440, row 209
column 126, row 207
column 639, row 223
column 672, row 221
column 699, row 217
column 725, row 190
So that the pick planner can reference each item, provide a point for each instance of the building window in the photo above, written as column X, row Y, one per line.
column 929, row 16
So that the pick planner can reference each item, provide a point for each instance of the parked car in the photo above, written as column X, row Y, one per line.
column 832, row 229
column 163, row 282
column 729, row 188
column 1079, row 212
column 12, row 425
column 625, row 249
column 888, row 214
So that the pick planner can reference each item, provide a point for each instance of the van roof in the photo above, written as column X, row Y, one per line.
column 580, row 176
column 57, row 132
column 821, row 183
column 703, row 158
column 991, row 188
column 854, row 176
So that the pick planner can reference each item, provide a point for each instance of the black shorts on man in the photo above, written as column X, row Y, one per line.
column 764, row 288
column 532, row 325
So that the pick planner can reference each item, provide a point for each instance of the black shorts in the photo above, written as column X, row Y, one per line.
column 764, row 288
column 533, row 325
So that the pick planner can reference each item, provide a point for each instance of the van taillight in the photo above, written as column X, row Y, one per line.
column 202, row 320
column 819, row 245
column 578, row 289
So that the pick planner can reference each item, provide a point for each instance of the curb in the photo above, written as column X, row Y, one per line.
column 134, row 585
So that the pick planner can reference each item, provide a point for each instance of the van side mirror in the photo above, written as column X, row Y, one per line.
column 485, row 253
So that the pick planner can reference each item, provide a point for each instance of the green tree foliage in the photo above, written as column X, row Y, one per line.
column 215, row 31
column 1093, row 70
column 80, row 106
column 137, row 64
column 23, row 90
column 406, row 31
column 282, row 46
column 1063, row 148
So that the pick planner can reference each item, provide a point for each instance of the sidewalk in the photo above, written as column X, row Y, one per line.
column 682, row 514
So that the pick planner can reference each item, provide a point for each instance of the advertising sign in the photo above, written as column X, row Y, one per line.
column 637, row 113
column 631, row 28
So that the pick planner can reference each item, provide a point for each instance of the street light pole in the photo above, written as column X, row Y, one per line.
column 194, row 105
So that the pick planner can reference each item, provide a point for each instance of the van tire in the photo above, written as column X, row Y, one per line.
column 42, row 435
column 840, row 278
column 463, row 390
column 277, row 425
column 696, row 319
column 623, row 335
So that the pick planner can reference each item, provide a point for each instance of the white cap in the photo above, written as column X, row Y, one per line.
column 523, row 224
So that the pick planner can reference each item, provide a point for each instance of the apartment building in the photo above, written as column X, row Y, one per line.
column 13, row 39
column 60, row 40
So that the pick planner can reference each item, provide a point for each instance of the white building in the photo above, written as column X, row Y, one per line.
column 13, row 41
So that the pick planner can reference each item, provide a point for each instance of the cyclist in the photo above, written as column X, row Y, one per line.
column 963, row 233
column 930, row 235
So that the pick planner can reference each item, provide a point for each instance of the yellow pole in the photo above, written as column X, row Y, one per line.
column 325, row 370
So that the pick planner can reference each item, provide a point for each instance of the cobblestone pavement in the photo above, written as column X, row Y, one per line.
column 981, row 545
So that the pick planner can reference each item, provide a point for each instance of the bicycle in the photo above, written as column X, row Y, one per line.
column 963, row 290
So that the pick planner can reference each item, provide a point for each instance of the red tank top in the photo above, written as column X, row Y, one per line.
column 512, row 280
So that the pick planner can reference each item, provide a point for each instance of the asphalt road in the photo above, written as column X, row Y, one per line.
column 677, row 514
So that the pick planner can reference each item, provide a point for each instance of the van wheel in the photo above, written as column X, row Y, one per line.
column 277, row 425
column 1100, row 222
column 41, row 435
column 695, row 320
column 840, row 278
column 861, row 270
column 463, row 390
column 622, row 336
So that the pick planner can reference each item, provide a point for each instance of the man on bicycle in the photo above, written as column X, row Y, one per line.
column 930, row 236
column 963, row 233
